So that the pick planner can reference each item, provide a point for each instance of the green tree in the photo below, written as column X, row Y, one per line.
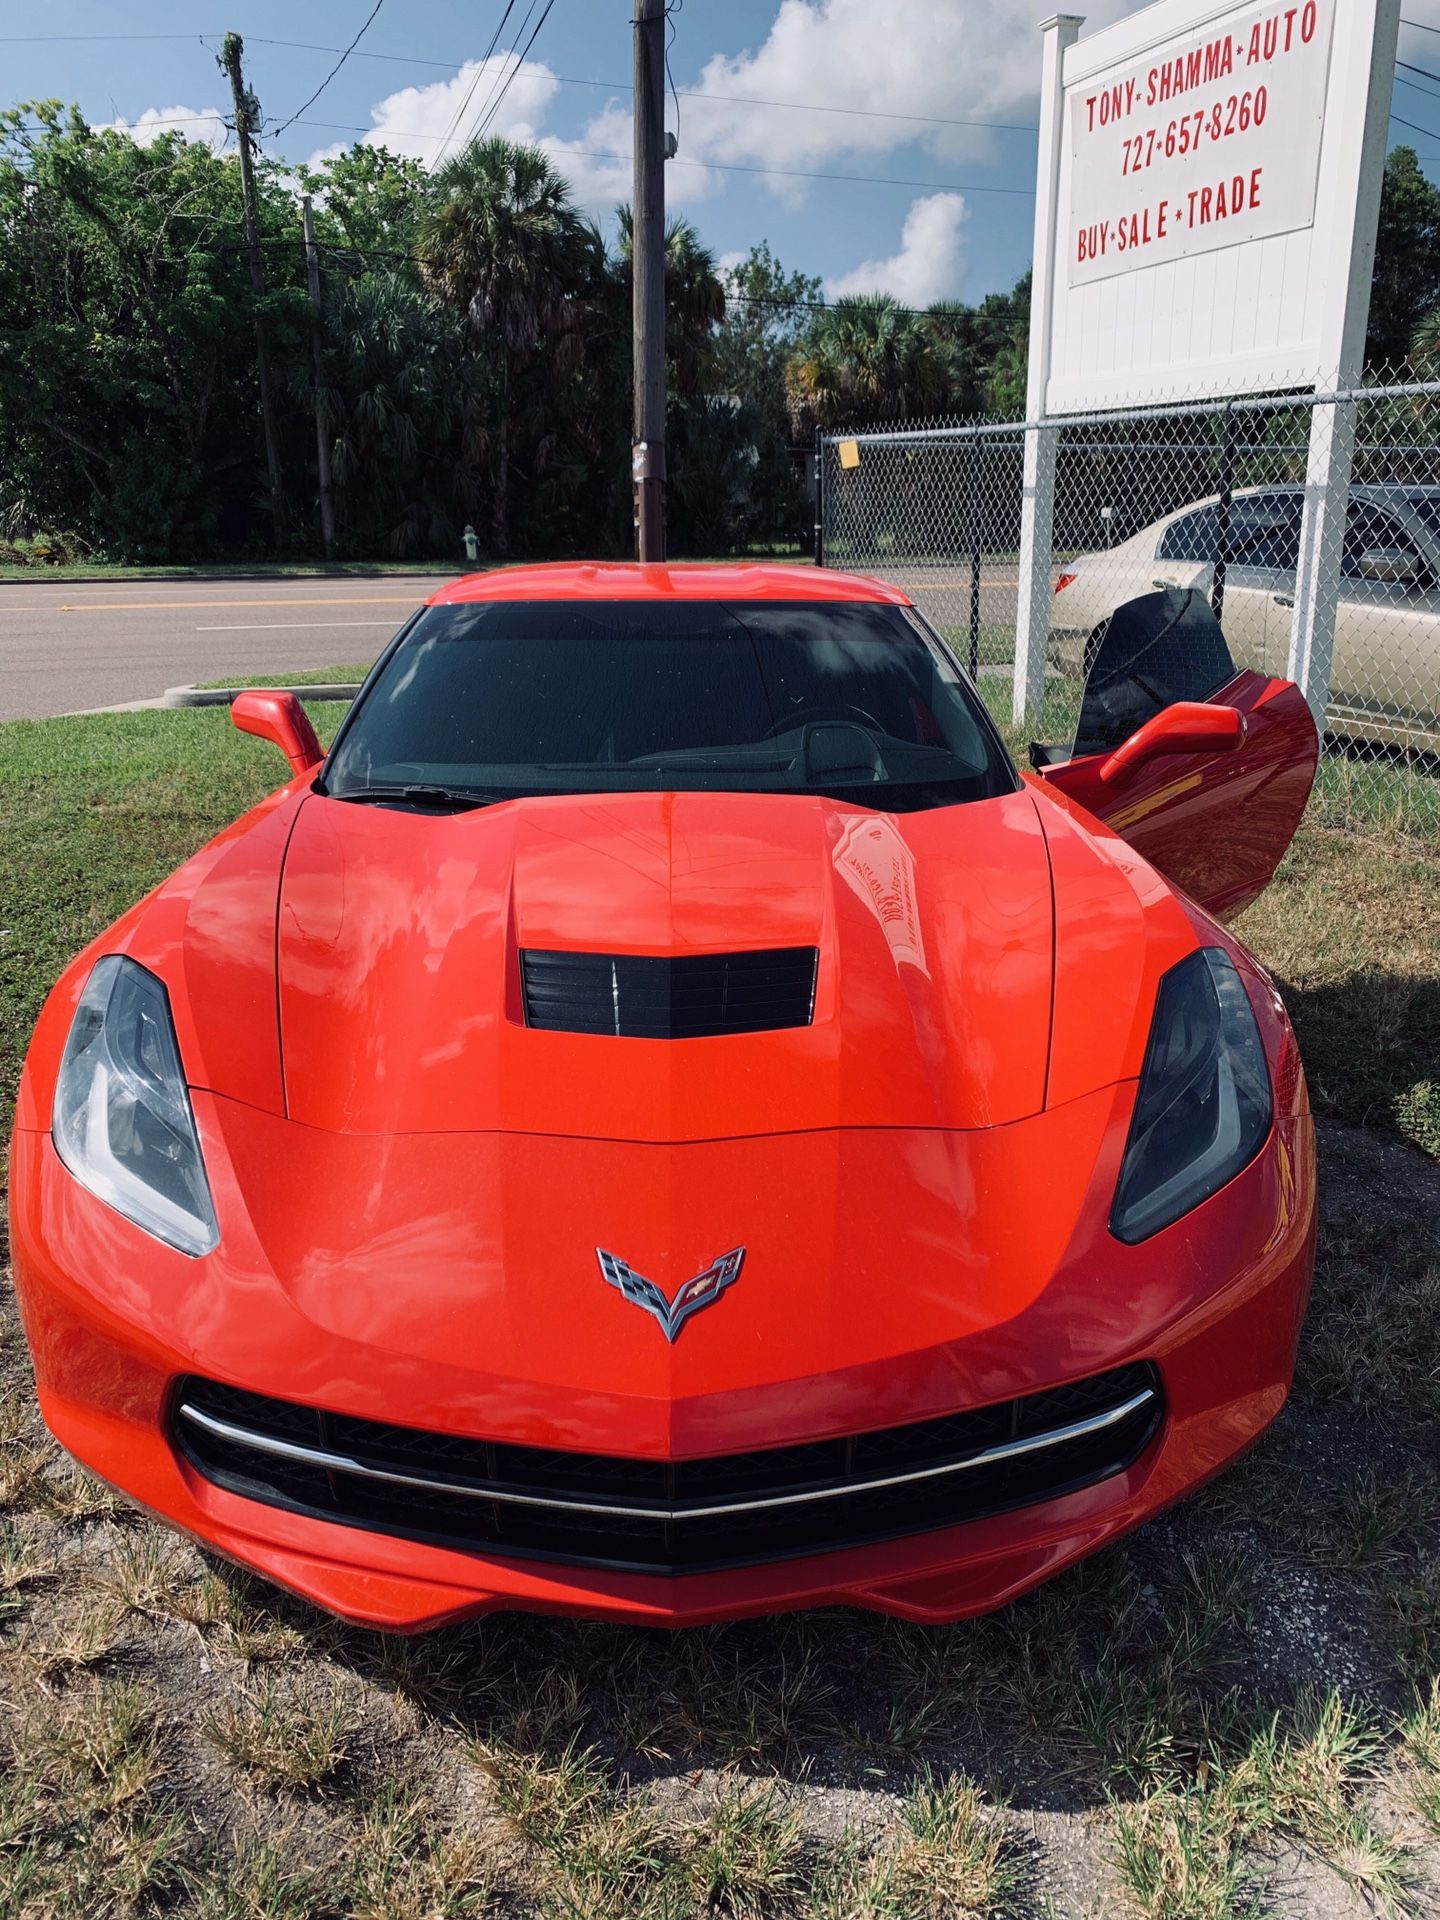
column 694, row 301
column 127, row 388
column 1406, row 284
column 404, row 402
column 369, row 203
column 501, row 244
column 768, row 311
column 865, row 362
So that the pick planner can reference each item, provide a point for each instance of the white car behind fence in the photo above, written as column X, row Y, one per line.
column 1385, row 680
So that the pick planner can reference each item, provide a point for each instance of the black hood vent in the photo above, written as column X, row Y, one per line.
column 663, row 997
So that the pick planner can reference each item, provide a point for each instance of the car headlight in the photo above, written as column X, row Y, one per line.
column 1203, row 1109
column 122, row 1121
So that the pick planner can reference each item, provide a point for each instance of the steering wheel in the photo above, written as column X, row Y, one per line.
column 803, row 716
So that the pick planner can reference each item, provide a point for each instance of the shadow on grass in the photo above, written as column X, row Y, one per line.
column 1163, row 1661
column 1371, row 1046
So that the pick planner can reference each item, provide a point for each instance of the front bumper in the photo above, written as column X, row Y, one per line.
column 1215, row 1302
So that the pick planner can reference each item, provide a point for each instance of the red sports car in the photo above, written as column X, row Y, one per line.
column 665, row 1123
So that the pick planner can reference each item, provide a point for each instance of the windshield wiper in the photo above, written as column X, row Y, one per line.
column 423, row 794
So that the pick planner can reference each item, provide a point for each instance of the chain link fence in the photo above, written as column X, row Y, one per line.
column 1207, row 494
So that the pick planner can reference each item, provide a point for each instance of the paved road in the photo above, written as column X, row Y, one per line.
column 64, row 647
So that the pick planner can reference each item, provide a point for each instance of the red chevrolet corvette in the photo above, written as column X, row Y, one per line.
column 665, row 1123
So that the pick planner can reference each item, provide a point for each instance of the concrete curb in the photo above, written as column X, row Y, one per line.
column 222, row 696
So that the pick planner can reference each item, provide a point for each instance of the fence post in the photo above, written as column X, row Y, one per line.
column 1037, row 508
column 819, row 498
column 1228, row 436
column 1332, row 423
column 1037, row 529
column 975, row 555
column 1322, row 547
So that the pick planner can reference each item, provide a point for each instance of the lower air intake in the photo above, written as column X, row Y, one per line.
column 659, row 1516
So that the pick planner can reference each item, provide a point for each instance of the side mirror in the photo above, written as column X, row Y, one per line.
column 1393, row 565
column 281, row 718
column 1189, row 726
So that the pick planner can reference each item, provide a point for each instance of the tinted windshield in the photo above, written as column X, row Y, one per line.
column 528, row 697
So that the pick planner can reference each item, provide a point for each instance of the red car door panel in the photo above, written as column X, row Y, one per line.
column 1217, row 824
column 1216, row 820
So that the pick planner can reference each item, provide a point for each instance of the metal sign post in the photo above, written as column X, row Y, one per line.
column 1356, row 197
column 1037, row 513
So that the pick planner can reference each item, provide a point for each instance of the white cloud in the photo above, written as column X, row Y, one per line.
column 416, row 120
column 910, row 59
column 903, row 74
column 930, row 264
column 195, row 123
column 596, row 162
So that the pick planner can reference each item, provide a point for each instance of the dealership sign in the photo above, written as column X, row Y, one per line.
column 1207, row 177
column 1209, row 139
column 1207, row 195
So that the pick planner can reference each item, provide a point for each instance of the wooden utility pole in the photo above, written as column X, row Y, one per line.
column 322, row 438
column 647, row 260
column 247, row 111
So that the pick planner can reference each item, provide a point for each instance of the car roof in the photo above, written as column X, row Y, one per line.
column 628, row 580
column 1378, row 490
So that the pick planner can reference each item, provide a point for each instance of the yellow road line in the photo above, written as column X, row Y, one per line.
column 309, row 600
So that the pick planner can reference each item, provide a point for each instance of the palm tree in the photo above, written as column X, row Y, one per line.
column 867, row 360
column 403, row 403
column 694, row 299
column 502, row 244
column 1425, row 342
column 1008, row 373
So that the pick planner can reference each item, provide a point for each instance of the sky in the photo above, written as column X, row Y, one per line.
column 919, row 114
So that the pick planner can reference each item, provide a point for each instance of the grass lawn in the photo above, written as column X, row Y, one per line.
column 348, row 671
column 1235, row 1710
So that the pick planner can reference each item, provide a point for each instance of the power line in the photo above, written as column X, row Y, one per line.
column 494, row 78
column 34, row 39
column 686, row 93
column 332, row 73
column 1421, row 24
column 732, row 299
column 368, row 255
column 590, row 153
column 1429, row 93
column 568, row 79
column 1415, row 127
column 464, row 105
column 141, row 125
column 719, row 166
column 509, row 78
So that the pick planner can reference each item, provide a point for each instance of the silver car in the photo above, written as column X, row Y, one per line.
column 1385, row 680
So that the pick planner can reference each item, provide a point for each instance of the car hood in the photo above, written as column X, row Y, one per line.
column 399, row 935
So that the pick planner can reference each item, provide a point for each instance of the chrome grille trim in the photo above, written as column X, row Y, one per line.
column 692, row 1510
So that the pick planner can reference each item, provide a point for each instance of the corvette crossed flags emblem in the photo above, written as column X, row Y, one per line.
column 672, row 1314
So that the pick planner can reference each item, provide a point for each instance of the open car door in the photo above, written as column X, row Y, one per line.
column 1204, row 769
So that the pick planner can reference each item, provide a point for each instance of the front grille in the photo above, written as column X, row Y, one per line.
column 669, row 1517
column 669, row 997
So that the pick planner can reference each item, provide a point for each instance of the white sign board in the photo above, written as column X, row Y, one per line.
column 1200, row 205
column 1208, row 140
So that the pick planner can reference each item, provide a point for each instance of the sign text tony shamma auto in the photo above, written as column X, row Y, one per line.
column 1212, row 138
